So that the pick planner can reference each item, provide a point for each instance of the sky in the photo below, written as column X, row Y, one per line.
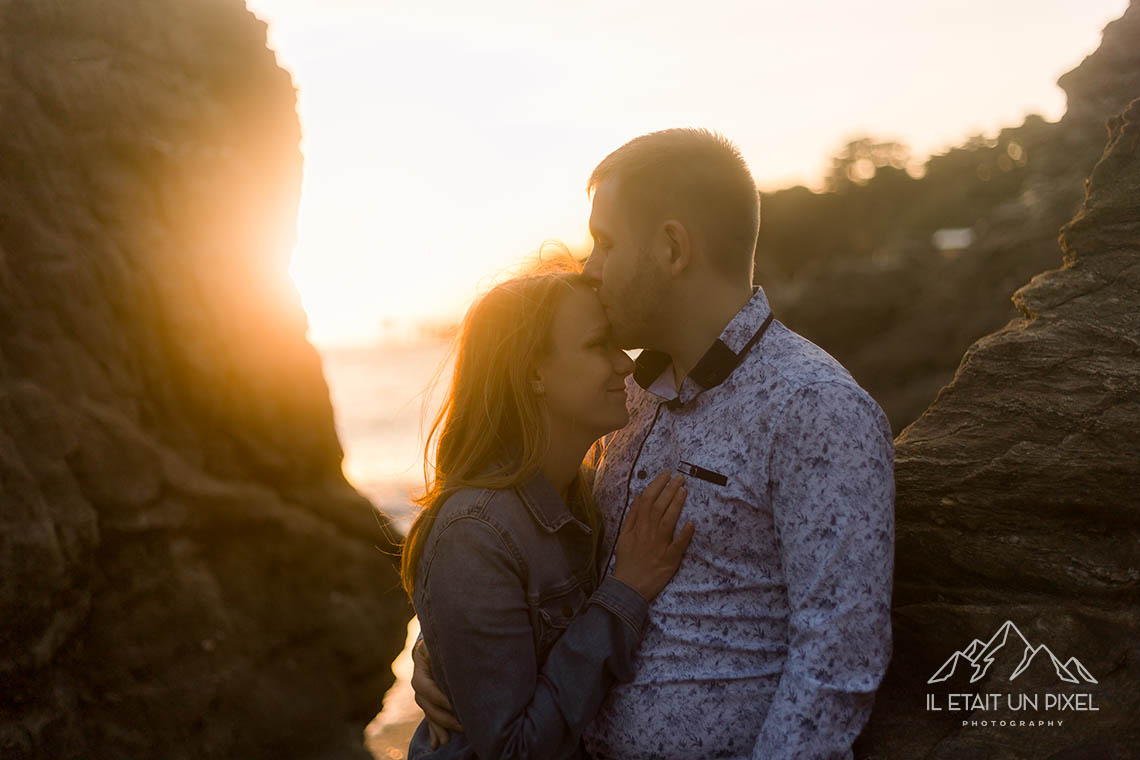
column 445, row 141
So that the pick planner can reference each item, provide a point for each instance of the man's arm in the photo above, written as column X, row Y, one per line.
column 832, row 489
column 431, row 699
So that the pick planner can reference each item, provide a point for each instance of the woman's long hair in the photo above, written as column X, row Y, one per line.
column 492, row 430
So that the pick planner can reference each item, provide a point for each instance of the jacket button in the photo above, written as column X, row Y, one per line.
column 642, row 474
column 567, row 610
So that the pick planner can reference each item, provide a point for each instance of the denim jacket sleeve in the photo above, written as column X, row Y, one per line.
column 482, row 647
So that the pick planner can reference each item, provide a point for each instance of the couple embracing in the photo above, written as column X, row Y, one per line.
column 688, row 555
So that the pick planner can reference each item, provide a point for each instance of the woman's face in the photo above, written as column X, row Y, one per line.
column 584, row 374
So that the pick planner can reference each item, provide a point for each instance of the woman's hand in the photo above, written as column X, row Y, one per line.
column 647, row 553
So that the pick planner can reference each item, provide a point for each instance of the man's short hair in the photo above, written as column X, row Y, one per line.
column 696, row 170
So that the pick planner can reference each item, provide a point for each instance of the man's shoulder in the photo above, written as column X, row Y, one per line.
column 797, row 362
column 811, row 377
column 784, row 364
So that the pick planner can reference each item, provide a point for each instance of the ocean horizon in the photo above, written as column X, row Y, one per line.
column 378, row 394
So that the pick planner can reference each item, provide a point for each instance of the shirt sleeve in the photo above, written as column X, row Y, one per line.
column 480, row 634
column 832, row 489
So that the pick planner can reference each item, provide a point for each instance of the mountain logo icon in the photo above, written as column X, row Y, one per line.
column 1009, row 653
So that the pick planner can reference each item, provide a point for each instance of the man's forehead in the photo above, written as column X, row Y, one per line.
column 603, row 206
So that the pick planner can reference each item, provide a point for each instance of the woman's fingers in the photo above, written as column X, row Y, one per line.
column 644, row 501
column 651, row 506
column 629, row 522
column 677, row 548
column 668, row 524
column 665, row 499
column 655, row 487
column 648, row 554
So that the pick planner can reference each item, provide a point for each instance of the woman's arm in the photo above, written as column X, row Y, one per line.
column 477, row 625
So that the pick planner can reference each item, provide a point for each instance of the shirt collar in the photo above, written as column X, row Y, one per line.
column 718, row 361
column 546, row 505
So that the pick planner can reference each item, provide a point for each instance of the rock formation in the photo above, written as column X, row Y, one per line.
column 901, row 317
column 186, row 572
column 1018, row 501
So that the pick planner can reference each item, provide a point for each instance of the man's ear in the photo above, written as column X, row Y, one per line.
column 679, row 245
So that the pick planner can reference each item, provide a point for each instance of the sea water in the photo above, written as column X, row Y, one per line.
column 382, row 399
column 378, row 394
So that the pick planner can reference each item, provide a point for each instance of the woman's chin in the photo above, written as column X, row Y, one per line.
column 605, row 421
column 619, row 420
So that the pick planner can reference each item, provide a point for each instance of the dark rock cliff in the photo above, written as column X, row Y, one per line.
column 1018, row 500
column 900, row 315
column 186, row 572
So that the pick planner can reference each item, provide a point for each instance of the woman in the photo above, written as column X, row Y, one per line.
column 503, row 562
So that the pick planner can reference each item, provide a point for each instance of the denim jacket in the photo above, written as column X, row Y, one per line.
column 522, row 643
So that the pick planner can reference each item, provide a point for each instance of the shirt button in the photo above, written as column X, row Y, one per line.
column 642, row 474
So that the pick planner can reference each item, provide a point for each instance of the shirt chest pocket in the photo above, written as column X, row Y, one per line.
column 695, row 472
column 719, row 503
column 552, row 611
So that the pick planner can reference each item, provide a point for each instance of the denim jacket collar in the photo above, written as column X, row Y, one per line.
column 546, row 505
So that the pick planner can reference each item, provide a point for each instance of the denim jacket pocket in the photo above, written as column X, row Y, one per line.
column 553, row 612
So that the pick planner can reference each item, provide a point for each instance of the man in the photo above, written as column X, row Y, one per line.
column 775, row 632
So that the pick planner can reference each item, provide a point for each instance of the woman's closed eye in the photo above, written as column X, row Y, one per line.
column 602, row 342
column 597, row 339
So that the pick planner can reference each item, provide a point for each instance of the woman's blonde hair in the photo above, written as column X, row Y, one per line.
column 491, row 430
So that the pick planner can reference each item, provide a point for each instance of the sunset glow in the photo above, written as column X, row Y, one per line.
column 445, row 141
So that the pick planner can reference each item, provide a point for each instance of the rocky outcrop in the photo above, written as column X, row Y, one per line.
column 900, row 317
column 186, row 572
column 1102, row 85
column 1018, row 501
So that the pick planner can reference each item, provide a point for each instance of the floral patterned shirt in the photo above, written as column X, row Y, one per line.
column 775, row 632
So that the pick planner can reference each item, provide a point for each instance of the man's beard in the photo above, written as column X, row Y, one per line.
column 636, row 312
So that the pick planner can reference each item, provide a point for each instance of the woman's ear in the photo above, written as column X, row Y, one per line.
column 537, row 385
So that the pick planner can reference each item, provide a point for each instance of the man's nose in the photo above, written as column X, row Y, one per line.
column 623, row 365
